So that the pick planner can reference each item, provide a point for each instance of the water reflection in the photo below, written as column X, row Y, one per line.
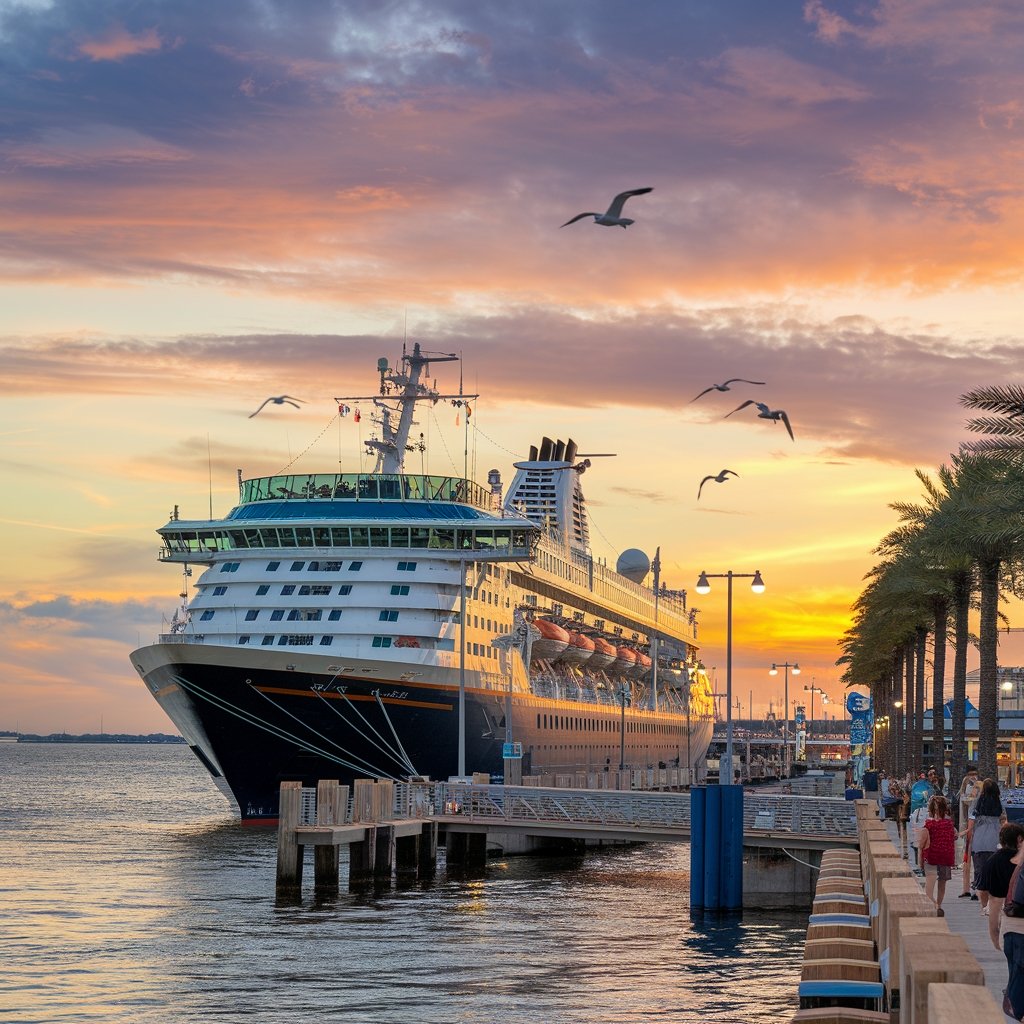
column 131, row 895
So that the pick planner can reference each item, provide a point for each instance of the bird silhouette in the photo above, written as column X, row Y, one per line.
column 725, row 386
column 764, row 413
column 612, row 217
column 723, row 476
column 278, row 400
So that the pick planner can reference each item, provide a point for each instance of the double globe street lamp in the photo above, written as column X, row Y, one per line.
column 704, row 587
column 774, row 671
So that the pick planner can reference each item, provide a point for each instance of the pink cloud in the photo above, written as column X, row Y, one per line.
column 117, row 43
column 772, row 75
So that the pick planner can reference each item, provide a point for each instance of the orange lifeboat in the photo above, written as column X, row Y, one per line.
column 551, row 642
column 643, row 665
column 604, row 654
column 580, row 649
column 625, row 661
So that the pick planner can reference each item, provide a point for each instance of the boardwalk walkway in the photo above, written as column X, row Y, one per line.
column 965, row 918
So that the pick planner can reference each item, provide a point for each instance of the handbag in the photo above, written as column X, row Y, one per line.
column 1013, row 905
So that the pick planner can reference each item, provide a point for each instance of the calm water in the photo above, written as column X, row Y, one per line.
column 128, row 893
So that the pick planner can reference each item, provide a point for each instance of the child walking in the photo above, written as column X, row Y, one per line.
column 918, row 816
column 937, row 843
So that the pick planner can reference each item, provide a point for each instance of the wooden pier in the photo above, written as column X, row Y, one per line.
column 392, row 830
column 379, row 845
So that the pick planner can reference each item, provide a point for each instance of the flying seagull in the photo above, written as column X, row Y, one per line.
column 278, row 400
column 612, row 217
column 764, row 413
column 725, row 386
column 722, row 477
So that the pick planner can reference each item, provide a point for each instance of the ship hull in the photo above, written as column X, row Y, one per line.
column 255, row 720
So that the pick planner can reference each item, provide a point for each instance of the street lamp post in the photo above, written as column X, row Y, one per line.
column 774, row 671
column 622, row 729
column 810, row 725
column 704, row 587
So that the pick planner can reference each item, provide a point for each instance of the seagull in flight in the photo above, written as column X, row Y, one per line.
column 764, row 413
column 612, row 217
column 723, row 476
column 278, row 400
column 725, row 386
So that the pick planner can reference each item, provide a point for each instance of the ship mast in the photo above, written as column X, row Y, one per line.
column 400, row 390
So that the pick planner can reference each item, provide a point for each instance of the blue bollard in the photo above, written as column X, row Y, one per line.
column 713, row 848
column 698, row 804
column 731, row 885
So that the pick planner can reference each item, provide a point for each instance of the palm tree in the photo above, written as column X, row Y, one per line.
column 887, row 615
column 981, row 517
column 1007, row 423
column 911, row 544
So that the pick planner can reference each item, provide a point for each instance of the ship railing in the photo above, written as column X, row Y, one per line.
column 181, row 638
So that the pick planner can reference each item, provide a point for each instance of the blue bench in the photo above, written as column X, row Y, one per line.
column 861, row 920
column 858, row 995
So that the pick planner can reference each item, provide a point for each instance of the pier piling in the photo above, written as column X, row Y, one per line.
column 427, row 852
column 331, row 807
column 289, row 852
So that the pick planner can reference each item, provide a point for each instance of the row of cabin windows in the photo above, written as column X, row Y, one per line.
column 315, row 590
column 602, row 725
column 318, row 566
column 305, row 640
column 469, row 538
column 481, row 649
column 301, row 615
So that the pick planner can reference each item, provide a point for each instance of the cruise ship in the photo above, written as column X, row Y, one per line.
column 390, row 624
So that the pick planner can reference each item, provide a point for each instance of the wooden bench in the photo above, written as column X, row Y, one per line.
column 840, row 969
column 849, row 949
column 841, row 1015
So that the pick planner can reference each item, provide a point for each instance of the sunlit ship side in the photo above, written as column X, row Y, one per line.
column 337, row 617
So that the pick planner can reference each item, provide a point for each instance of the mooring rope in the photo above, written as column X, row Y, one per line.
column 385, row 749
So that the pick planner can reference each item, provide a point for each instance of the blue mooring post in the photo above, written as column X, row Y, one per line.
column 713, row 848
column 716, row 848
column 732, row 848
column 698, row 801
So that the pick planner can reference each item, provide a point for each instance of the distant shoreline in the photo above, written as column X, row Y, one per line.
column 156, row 737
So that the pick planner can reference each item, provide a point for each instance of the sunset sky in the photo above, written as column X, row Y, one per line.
column 206, row 204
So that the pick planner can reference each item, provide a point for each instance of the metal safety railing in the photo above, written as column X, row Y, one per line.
column 776, row 813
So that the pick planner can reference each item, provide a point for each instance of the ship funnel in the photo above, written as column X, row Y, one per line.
column 559, row 451
column 546, row 445
column 570, row 451
column 533, row 453
column 494, row 479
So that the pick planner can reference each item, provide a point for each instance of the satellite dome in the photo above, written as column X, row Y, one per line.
column 633, row 564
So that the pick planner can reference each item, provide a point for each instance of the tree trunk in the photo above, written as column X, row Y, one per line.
column 961, row 640
column 939, row 690
column 911, row 748
column 896, row 755
column 921, row 637
column 988, row 686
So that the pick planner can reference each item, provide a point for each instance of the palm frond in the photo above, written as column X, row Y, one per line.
column 1007, row 399
column 1003, row 425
